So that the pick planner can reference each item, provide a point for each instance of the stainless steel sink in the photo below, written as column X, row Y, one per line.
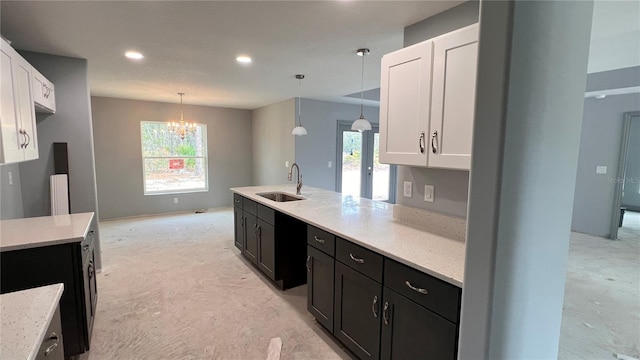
column 280, row 196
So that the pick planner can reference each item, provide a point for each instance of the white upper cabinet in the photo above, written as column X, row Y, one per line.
column 427, row 100
column 405, row 95
column 17, row 113
column 44, row 96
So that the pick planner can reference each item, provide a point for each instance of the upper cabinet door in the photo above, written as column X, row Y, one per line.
column 24, row 100
column 12, row 141
column 453, row 99
column 44, row 96
column 404, row 105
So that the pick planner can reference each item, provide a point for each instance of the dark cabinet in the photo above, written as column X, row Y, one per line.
column 358, row 305
column 250, row 250
column 239, row 229
column 320, row 277
column 266, row 238
column 410, row 331
column 71, row 264
column 272, row 241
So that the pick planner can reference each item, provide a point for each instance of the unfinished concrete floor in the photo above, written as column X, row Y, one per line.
column 174, row 287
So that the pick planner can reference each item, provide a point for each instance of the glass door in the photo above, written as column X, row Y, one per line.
column 360, row 172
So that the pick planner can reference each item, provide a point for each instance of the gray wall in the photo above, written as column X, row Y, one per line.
column 451, row 187
column 599, row 145
column 272, row 142
column 314, row 151
column 631, row 197
column 442, row 23
column 10, row 195
column 119, row 157
column 525, row 265
column 614, row 79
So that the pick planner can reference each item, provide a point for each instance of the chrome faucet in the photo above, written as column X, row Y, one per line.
column 299, row 183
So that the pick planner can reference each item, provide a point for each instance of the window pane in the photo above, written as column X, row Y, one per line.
column 172, row 174
column 351, row 162
column 381, row 173
column 172, row 164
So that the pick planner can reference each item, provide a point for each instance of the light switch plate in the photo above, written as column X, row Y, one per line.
column 329, row 164
column 175, row 200
column 601, row 169
column 407, row 188
column 10, row 178
column 286, row 164
column 429, row 193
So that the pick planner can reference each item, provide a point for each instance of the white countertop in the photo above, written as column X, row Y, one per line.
column 370, row 224
column 26, row 315
column 33, row 232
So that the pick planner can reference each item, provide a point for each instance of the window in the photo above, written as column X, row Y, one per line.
column 170, row 164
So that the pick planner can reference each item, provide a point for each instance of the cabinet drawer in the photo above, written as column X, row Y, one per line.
column 321, row 240
column 237, row 200
column 434, row 294
column 359, row 258
column 250, row 206
column 52, row 344
column 266, row 213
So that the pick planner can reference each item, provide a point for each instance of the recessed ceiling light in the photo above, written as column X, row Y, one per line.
column 133, row 55
column 243, row 59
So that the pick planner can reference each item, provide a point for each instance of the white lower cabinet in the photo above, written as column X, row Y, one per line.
column 18, row 136
column 427, row 101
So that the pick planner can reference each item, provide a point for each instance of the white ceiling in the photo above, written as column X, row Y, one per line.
column 191, row 46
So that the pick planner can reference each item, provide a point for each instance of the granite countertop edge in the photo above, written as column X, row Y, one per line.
column 38, row 242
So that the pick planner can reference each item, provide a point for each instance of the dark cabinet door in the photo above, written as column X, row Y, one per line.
column 239, row 232
column 250, row 248
column 358, row 305
column 320, row 277
column 410, row 331
column 266, row 249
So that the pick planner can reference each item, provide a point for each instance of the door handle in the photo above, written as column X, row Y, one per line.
column 385, row 313
column 358, row 260
column 374, row 306
column 434, row 140
column 320, row 240
column 308, row 261
column 421, row 142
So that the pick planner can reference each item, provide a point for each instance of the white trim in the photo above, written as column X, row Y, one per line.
column 620, row 91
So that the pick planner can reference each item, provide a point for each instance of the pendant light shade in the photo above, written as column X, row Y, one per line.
column 299, row 130
column 361, row 124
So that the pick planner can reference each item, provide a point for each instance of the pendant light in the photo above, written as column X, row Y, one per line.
column 361, row 124
column 181, row 127
column 299, row 130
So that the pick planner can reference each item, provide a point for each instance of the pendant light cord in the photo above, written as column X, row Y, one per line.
column 299, row 117
column 362, row 87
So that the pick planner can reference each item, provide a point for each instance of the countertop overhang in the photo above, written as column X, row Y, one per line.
column 41, row 231
column 371, row 225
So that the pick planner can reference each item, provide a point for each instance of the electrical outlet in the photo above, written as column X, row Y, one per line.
column 175, row 200
column 407, row 188
column 329, row 164
column 286, row 164
column 600, row 169
column 429, row 193
column 10, row 178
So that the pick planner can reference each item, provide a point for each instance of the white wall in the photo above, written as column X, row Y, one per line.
column 272, row 142
column 116, row 125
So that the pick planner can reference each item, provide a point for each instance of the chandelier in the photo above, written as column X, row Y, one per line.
column 181, row 127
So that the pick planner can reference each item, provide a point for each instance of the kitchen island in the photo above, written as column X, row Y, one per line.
column 48, row 250
column 378, row 279
column 372, row 225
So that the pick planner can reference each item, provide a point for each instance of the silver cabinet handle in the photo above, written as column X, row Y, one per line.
column 52, row 347
column 85, row 248
column 24, row 135
column 420, row 290
column 28, row 139
column 308, row 263
column 358, row 260
column 242, row 221
column 385, row 313
column 374, row 306
column 421, row 142
column 321, row 241
column 434, row 142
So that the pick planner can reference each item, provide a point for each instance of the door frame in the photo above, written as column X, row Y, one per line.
column 622, row 169
column 343, row 125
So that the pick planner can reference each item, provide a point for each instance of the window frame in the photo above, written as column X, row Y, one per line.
column 204, row 157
